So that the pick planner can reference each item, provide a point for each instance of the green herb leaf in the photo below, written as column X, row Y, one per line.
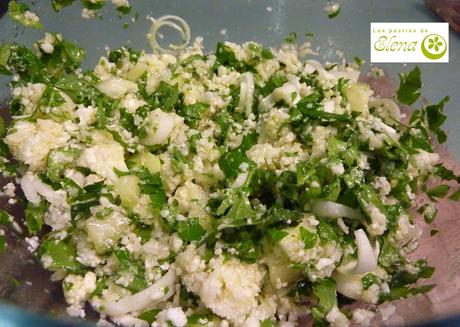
column 326, row 231
column 152, row 185
column 226, row 57
column 455, row 196
column 190, row 230
column 65, row 58
column 5, row 218
column 20, row 13
column 433, row 232
column 92, row 5
column 63, row 255
column 192, row 113
column 368, row 280
column 165, row 97
column 308, row 238
column 429, row 212
column 239, row 214
column 358, row 61
column 435, row 118
column 409, row 87
column 3, row 243
column 389, row 254
column 439, row 191
column 231, row 161
column 58, row 159
column 334, row 14
column 149, row 315
column 24, row 62
column 291, row 38
column 404, row 292
column 124, row 10
column 268, row 323
column 35, row 217
column 59, row 4
column 325, row 291
column 276, row 235
column 273, row 82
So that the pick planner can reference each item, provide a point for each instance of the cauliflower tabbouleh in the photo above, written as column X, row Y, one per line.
column 244, row 187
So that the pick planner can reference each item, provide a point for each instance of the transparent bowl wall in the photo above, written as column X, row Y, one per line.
column 24, row 283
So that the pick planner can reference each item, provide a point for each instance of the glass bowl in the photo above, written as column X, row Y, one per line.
column 24, row 283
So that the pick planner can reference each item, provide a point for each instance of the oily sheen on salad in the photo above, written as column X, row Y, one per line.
column 249, row 186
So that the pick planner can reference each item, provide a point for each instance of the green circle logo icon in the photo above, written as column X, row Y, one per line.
column 434, row 46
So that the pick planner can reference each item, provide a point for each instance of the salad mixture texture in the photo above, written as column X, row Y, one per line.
column 244, row 187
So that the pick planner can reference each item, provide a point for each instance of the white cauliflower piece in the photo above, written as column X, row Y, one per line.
column 378, row 221
column 77, row 289
column 337, row 318
column 191, row 199
column 160, row 126
column 175, row 316
column 31, row 142
column 115, row 87
column 231, row 288
column 228, row 287
column 321, row 258
column 102, row 158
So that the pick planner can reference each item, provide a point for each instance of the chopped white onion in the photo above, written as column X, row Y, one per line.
column 389, row 131
column 174, row 22
column 332, row 209
column 352, row 75
column 313, row 65
column 246, row 93
column 249, row 92
column 367, row 260
column 240, row 180
column 144, row 299
column 267, row 103
column 33, row 187
column 348, row 284
column 163, row 123
column 115, row 87
column 389, row 108
column 285, row 93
